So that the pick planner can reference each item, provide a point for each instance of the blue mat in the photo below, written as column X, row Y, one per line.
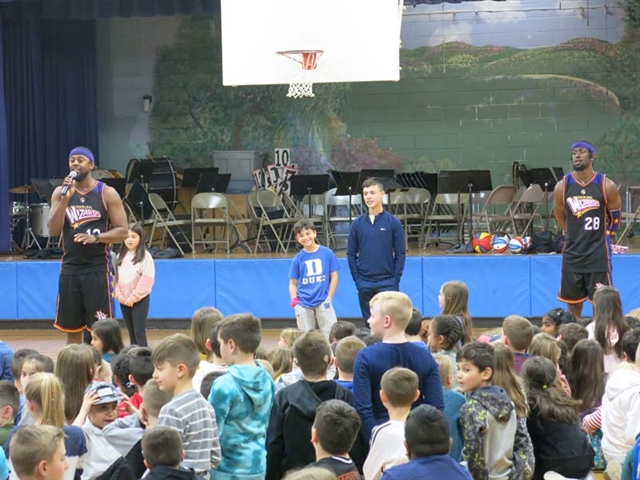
column 499, row 285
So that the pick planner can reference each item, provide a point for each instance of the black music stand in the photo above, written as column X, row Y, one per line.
column 211, row 182
column 45, row 188
column 558, row 172
column 547, row 180
column 454, row 182
column 302, row 185
column 350, row 185
column 138, row 201
column 191, row 176
column 118, row 184
column 141, row 170
column 386, row 177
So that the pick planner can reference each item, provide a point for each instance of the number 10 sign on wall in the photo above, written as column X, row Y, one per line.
column 277, row 175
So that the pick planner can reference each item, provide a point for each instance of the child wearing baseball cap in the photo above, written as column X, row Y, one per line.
column 98, row 410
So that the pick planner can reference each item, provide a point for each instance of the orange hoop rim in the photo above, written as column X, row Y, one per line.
column 309, row 57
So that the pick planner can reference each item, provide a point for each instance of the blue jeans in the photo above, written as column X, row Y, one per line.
column 367, row 290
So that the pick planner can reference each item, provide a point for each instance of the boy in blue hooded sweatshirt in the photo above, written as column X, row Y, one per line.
column 242, row 400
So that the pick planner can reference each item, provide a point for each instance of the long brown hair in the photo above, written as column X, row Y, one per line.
column 141, row 249
column 45, row 391
column 74, row 368
column 545, row 396
column 607, row 315
column 586, row 375
column 456, row 300
column 504, row 376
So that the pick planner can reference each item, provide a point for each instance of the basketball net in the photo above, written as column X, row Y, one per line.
column 302, row 85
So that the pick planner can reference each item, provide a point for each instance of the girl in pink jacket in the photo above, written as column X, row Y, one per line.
column 136, row 274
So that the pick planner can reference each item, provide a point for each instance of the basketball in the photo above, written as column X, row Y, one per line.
column 482, row 242
column 516, row 245
column 526, row 243
column 500, row 242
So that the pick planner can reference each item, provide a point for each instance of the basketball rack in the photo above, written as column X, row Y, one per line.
column 302, row 84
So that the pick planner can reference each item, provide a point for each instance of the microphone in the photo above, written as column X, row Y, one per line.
column 65, row 188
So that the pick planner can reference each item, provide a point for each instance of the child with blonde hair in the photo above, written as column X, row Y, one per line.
column 390, row 314
column 453, row 300
column 202, row 321
column 281, row 360
column 544, row 345
column 45, row 402
column 346, row 351
column 288, row 337
column 453, row 402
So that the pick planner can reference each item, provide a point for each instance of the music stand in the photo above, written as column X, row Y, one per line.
column 138, row 201
column 142, row 170
column 302, row 185
column 558, row 172
column 386, row 177
column 45, row 188
column 191, row 176
column 350, row 185
column 547, row 180
column 428, row 181
column 479, row 181
column 118, row 184
column 212, row 182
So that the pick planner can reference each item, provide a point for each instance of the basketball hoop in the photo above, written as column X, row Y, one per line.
column 302, row 85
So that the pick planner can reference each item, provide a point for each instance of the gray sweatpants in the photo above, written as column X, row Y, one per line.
column 323, row 314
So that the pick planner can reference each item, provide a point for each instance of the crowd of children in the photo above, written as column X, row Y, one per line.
column 403, row 398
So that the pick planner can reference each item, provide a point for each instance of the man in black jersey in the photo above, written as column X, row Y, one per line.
column 587, row 208
column 90, row 216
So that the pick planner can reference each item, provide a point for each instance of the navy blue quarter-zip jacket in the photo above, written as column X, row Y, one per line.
column 376, row 252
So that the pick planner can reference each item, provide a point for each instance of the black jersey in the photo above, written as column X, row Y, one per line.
column 86, row 213
column 587, row 247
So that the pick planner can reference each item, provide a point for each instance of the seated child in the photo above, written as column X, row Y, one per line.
column 544, row 345
column 495, row 446
column 212, row 364
column 281, row 360
column 413, row 328
column 32, row 364
column 443, row 339
column 346, row 351
column 120, row 375
column 16, row 371
column 399, row 391
column 621, row 406
column 288, row 336
column 162, row 450
column 9, row 407
column 390, row 313
column 554, row 319
column 334, row 431
column 154, row 400
column 570, row 334
column 427, row 444
column 453, row 402
column 38, row 453
column 140, row 372
column 339, row 330
column 242, row 399
column 295, row 406
column 209, row 378
column 517, row 333
column 559, row 444
column 98, row 410
column 6, row 354
column 176, row 359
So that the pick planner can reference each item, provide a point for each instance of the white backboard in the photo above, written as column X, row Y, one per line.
column 360, row 39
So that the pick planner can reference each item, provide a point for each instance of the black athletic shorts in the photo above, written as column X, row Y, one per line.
column 577, row 287
column 83, row 299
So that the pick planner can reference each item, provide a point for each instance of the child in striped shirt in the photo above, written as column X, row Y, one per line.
column 176, row 359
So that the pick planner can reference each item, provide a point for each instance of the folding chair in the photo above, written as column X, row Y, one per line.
column 526, row 210
column 212, row 210
column 317, row 211
column 501, row 199
column 417, row 206
column 448, row 210
column 336, row 212
column 631, row 218
column 396, row 204
column 163, row 217
column 275, row 222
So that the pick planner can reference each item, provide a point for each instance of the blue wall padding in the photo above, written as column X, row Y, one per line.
column 8, row 291
column 37, row 289
column 499, row 285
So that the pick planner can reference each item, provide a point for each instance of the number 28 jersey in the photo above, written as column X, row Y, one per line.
column 86, row 213
column 587, row 247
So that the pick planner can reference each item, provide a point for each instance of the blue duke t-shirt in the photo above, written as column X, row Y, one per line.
column 313, row 272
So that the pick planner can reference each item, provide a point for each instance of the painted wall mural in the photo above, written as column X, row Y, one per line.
column 457, row 105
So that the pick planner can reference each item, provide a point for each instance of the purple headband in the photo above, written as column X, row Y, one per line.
column 82, row 151
column 586, row 145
